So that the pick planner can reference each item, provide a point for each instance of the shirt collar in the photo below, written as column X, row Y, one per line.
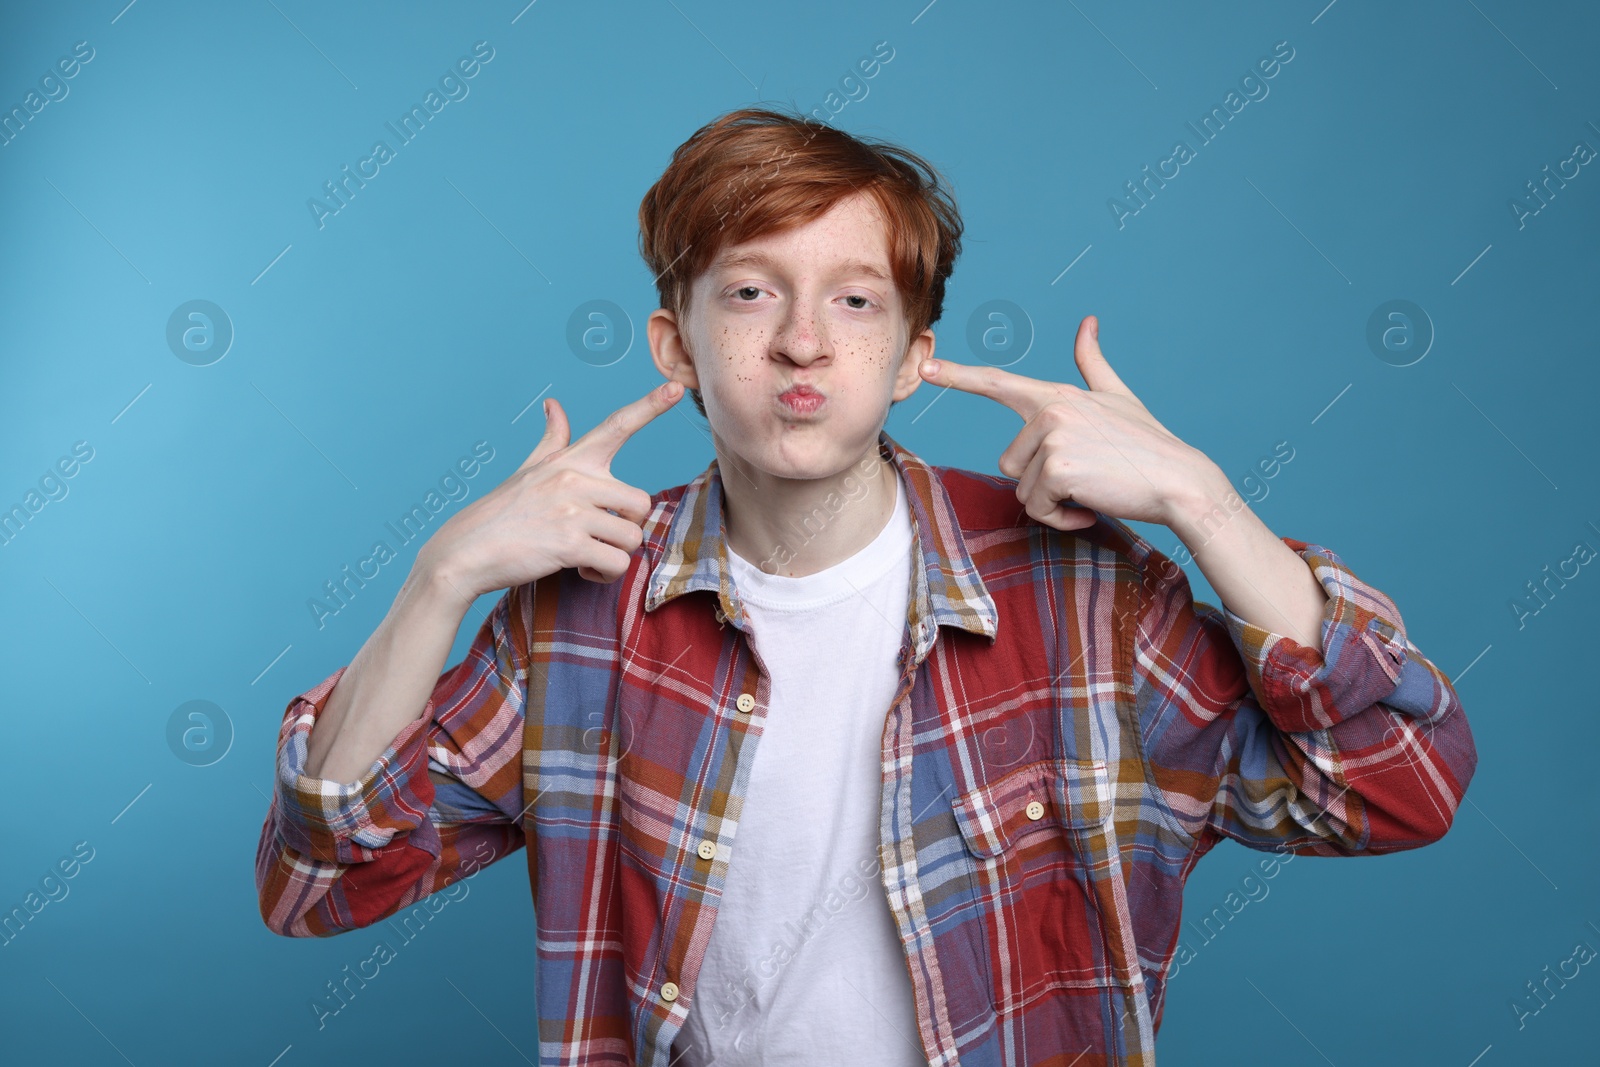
column 946, row 588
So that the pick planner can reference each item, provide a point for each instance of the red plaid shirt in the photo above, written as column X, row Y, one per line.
column 1071, row 733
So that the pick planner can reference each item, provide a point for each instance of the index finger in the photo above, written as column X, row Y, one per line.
column 1021, row 394
column 602, row 442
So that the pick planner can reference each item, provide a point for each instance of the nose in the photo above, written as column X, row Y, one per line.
column 803, row 335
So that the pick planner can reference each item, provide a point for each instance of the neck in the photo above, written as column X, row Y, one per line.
column 798, row 526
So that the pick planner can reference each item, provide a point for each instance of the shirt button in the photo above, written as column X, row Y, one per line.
column 1034, row 810
column 707, row 849
column 669, row 992
column 745, row 702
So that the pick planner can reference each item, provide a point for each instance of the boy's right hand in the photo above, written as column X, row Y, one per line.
column 551, row 513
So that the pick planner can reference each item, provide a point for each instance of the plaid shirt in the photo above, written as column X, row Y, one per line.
column 1070, row 734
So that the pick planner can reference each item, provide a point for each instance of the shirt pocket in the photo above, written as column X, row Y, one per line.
column 1044, row 873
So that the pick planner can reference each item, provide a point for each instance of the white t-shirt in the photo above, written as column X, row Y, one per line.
column 804, row 964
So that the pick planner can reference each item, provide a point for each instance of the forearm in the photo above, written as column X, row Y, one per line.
column 1256, row 575
column 389, row 682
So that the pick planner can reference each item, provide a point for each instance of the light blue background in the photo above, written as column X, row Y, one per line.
column 433, row 309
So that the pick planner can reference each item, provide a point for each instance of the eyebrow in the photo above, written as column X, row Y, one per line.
column 734, row 260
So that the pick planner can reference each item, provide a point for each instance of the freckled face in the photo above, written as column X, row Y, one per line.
column 800, row 306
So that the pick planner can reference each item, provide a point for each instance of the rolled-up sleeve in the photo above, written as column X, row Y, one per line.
column 346, row 823
column 443, row 800
column 1360, row 747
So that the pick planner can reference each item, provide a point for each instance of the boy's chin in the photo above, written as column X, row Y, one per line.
column 797, row 452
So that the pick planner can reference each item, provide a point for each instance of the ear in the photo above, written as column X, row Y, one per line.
column 907, row 378
column 667, row 350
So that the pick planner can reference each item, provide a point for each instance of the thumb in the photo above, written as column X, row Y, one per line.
column 556, row 433
column 1092, row 363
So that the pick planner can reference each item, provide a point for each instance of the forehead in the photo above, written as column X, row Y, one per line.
column 850, row 237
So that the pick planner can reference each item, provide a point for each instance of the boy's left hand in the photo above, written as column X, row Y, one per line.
column 1098, row 448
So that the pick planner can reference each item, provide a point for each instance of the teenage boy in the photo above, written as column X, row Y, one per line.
column 832, row 755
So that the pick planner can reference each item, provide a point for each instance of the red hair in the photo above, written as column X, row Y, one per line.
column 753, row 172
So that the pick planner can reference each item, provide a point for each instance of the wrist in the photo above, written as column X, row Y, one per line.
column 1202, row 504
column 437, row 585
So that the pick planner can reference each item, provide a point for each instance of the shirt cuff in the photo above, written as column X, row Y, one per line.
column 1363, row 651
column 348, row 823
